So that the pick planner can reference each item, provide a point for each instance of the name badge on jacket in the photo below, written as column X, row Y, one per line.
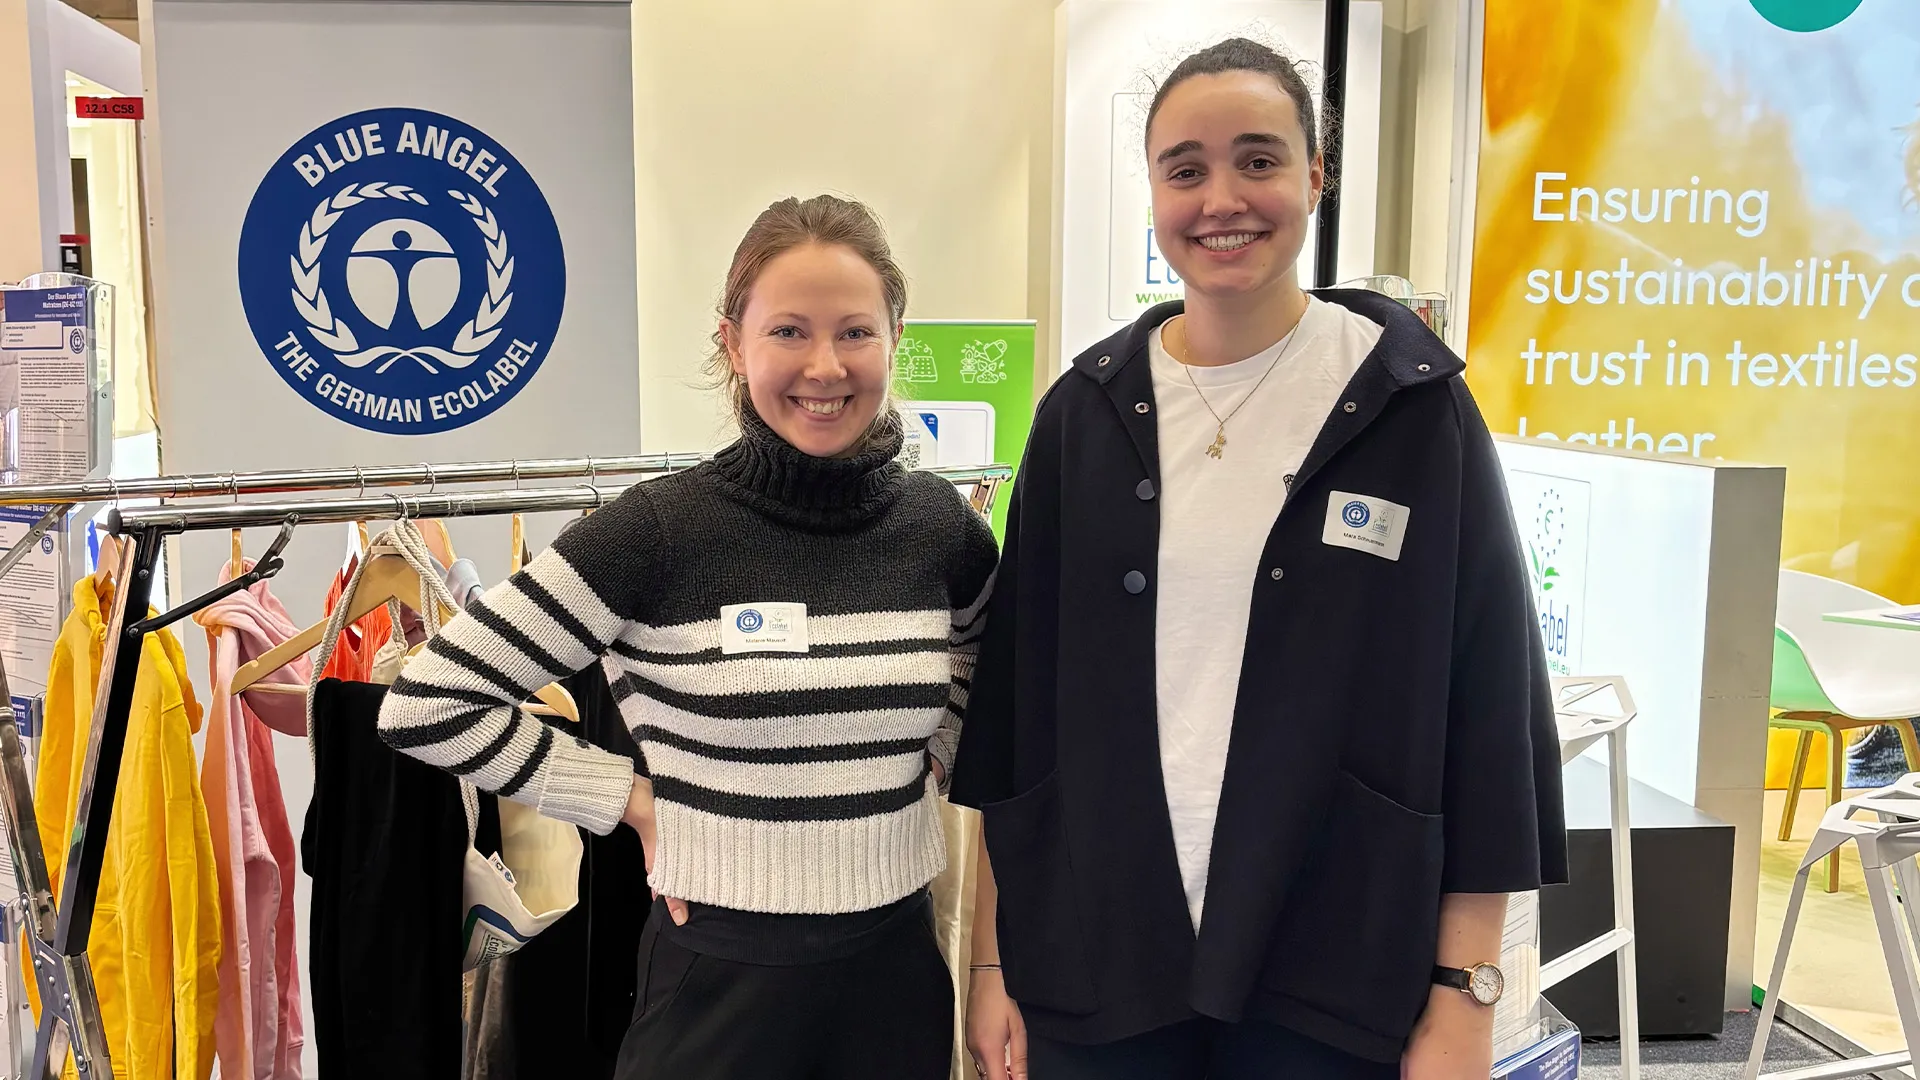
column 1364, row 523
column 752, row 628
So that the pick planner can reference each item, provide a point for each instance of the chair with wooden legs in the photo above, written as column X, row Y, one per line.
column 1835, row 678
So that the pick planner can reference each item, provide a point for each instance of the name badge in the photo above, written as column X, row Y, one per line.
column 1364, row 523
column 752, row 628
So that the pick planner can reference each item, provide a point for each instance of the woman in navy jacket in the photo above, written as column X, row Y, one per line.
column 1261, row 726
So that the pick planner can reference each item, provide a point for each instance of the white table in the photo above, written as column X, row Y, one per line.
column 1893, row 618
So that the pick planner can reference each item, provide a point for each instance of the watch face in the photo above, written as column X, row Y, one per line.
column 1485, row 983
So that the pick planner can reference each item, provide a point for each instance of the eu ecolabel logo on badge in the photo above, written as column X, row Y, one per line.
column 402, row 271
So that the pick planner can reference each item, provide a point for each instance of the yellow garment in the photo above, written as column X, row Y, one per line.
column 155, row 946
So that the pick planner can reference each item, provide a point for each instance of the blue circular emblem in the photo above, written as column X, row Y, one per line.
column 77, row 341
column 46, row 545
column 1356, row 515
column 749, row 621
column 402, row 271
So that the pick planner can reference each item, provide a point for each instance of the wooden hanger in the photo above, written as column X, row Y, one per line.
column 439, row 540
column 107, row 564
column 519, row 556
column 236, row 565
column 387, row 577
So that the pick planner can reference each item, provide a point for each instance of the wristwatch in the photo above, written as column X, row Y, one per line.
column 1483, row 982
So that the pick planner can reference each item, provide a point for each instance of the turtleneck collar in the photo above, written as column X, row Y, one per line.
column 799, row 489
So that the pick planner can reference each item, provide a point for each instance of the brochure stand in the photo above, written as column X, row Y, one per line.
column 56, row 424
column 1588, row 710
column 1885, row 826
column 56, row 379
column 1548, row 1048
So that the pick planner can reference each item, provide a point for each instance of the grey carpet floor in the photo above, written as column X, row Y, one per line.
column 1713, row 1057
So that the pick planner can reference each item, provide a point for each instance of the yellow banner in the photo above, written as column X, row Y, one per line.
column 1698, row 232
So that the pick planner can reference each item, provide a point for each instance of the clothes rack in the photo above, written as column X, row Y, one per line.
column 61, row 498
column 280, row 482
column 167, row 520
column 70, row 1019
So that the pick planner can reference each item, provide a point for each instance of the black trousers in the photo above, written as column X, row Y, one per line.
column 1203, row 1049
column 885, row 1013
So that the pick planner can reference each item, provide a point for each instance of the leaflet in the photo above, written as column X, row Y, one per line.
column 29, row 608
column 45, row 349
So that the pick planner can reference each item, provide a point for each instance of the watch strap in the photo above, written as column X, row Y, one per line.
column 1456, row 978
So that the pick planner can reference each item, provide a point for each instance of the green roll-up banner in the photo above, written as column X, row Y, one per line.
column 966, row 390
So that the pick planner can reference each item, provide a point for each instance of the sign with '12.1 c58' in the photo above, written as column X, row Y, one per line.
column 110, row 108
column 402, row 271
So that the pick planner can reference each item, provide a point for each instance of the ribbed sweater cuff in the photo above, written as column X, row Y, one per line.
column 586, row 786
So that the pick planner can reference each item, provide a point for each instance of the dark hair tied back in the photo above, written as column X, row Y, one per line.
column 1241, row 54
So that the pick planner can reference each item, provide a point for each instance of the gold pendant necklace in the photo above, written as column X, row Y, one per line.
column 1219, row 445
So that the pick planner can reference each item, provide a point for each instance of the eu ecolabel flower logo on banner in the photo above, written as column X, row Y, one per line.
column 402, row 271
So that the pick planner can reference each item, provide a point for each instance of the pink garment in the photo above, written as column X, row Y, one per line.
column 257, row 1031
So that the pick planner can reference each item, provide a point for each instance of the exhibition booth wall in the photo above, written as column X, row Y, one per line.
column 971, row 151
column 263, row 250
column 938, row 114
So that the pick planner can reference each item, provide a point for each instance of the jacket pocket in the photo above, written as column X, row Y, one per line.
column 1042, row 953
column 1357, row 938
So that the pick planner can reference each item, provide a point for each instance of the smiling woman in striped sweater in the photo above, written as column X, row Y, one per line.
column 790, row 630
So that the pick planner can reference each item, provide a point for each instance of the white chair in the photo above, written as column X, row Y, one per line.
column 1836, row 677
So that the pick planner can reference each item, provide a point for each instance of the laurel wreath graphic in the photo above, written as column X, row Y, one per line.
column 334, row 333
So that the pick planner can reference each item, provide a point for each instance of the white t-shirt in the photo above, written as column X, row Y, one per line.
column 1215, row 516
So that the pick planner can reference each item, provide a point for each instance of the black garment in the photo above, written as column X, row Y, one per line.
column 885, row 1013
column 384, row 841
column 569, row 991
column 1202, row 1049
column 1393, row 738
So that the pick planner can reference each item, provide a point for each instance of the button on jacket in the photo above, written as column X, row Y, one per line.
column 1393, row 735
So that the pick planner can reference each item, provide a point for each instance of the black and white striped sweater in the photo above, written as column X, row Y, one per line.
column 785, row 782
